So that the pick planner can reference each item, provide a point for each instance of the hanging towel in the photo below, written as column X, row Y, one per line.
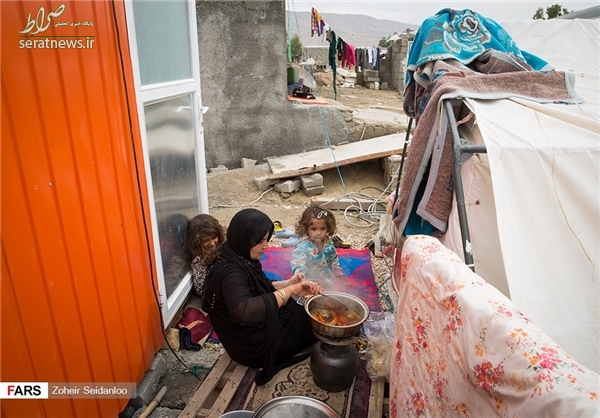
column 332, row 38
column 349, row 58
column 430, row 159
column 463, row 35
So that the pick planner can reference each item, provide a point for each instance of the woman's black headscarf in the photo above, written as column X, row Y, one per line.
column 247, row 228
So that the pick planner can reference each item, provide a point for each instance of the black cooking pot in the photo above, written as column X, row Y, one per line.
column 334, row 331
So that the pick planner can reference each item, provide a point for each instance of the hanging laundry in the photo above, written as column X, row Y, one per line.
column 340, row 48
column 360, row 65
column 317, row 24
column 332, row 38
column 349, row 57
column 376, row 59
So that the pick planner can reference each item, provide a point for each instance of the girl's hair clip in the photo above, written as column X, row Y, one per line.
column 321, row 214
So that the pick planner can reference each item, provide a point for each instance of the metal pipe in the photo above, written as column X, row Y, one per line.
column 458, row 186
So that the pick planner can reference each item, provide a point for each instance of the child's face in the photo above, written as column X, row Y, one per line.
column 317, row 230
column 210, row 243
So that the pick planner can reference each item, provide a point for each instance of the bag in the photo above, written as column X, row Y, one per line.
column 380, row 331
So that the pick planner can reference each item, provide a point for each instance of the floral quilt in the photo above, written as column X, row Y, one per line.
column 463, row 349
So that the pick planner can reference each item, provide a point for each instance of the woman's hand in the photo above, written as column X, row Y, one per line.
column 306, row 288
column 296, row 278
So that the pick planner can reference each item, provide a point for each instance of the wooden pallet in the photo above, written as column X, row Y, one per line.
column 378, row 405
column 216, row 391
column 322, row 159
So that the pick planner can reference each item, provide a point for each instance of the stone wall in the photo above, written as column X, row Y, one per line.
column 320, row 54
column 243, row 75
column 399, row 55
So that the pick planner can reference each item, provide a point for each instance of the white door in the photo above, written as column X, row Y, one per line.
column 164, row 51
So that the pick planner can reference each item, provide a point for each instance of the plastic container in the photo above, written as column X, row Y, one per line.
column 293, row 75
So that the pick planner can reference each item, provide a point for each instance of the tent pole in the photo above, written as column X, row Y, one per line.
column 410, row 121
column 458, row 185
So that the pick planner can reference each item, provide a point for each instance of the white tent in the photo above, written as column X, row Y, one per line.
column 533, row 201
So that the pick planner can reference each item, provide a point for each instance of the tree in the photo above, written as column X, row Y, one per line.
column 555, row 11
column 296, row 47
column 539, row 14
column 551, row 12
column 383, row 42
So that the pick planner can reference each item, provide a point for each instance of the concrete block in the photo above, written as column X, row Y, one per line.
column 384, row 86
column 159, row 365
column 247, row 163
column 360, row 79
column 313, row 191
column 389, row 178
column 312, row 180
column 218, row 169
column 263, row 183
column 288, row 186
column 146, row 389
column 372, row 79
column 373, row 85
column 159, row 412
column 392, row 162
column 371, row 73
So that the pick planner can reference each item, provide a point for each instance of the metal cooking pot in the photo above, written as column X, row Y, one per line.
column 295, row 407
column 352, row 302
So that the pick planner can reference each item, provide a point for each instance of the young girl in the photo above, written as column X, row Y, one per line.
column 315, row 256
column 205, row 234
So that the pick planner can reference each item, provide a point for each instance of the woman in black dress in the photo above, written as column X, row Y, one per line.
column 254, row 318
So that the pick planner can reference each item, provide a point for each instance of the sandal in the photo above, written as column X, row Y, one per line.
column 338, row 243
column 278, row 226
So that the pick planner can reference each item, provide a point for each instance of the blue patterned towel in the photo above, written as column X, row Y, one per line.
column 463, row 35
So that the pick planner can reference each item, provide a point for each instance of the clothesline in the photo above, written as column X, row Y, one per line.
column 347, row 54
column 340, row 50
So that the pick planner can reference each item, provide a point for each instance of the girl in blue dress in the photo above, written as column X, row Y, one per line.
column 315, row 256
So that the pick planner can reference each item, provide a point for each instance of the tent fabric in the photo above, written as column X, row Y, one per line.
column 544, row 174
column 533, row 201
column 463, row 349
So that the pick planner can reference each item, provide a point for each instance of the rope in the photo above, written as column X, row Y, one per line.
column 321, row 117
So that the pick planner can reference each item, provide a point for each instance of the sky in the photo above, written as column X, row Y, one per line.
column 416, row 11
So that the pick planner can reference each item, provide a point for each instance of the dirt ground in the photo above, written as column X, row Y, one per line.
column 233, row 190
column 363, row 98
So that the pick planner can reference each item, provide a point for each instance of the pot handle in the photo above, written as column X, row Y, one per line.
column 301, row 300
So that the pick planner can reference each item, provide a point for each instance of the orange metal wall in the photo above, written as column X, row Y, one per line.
column 77, row 285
